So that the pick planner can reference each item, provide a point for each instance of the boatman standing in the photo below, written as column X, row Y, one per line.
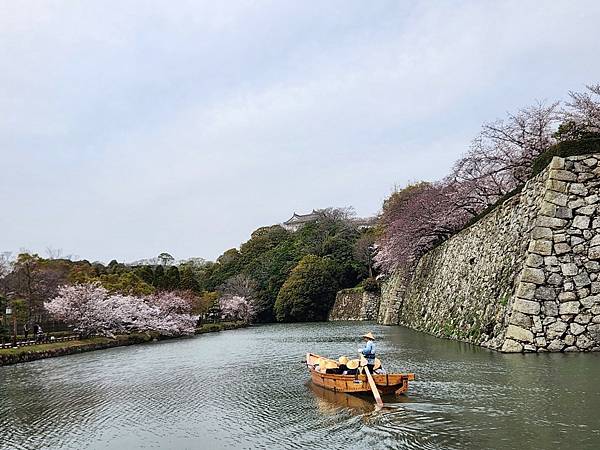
column 369, row 350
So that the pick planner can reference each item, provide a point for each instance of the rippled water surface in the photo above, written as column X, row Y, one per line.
column 249, row 389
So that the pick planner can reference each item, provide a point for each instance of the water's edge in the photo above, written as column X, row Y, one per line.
column 7, row 359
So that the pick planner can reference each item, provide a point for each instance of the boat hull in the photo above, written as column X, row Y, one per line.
column 388, row 383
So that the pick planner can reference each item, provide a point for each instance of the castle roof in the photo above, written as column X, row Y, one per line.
column 302, row 218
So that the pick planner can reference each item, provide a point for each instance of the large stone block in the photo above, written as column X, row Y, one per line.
column 556, row 345
column 594, row 253
column 541, row 247
column 590, row 301
column 577, row 203
column 521, row 320
column 592, row 199
column 569, row 269
column 526, row 290
column 576, row 329
column 583, row 279
column 567, row 296
column 545, row 293
column 555, row 185
column 578, row 189
column 586, row 210
column 557, row 163
column 556, row 329
column 595, row 241
column 569, row 308
column 531, row 275
column 548, row 209
column 511, row 346
column 551, row 222
column 594, row 331
column 557, row 198
column 581, row 222
column 550, row 309
column 562, row 248
column 584, row 342
column 562, row 175
column 534, row 260
column 562, row 212
column 526, row 306
column 541, row 233
column 519, row 334
column 555, row 279
column 583, row 319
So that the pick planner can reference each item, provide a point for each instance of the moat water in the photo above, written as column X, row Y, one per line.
column 249, row 388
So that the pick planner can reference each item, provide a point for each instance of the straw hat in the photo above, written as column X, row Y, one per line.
column 377, row 364
column 320, row 362
column 352, row 364
column 343, row 360
column 329, row 364
column 369, row 335
column 363, row 361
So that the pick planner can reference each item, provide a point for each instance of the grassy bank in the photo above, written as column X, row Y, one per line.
column 221, row 326
column 41, row 351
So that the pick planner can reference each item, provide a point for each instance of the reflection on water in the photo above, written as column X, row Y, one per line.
column 249, row 389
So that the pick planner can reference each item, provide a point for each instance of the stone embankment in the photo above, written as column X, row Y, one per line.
column 524, row 278
column 355, row 304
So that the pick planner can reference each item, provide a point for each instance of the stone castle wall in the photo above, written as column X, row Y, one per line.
column 353, row 304
column 523, row 278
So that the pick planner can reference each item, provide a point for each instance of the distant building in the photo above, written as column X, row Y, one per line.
column 295, row 222
column 362, row 223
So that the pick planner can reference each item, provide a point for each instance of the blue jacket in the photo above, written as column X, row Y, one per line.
column 369, row 352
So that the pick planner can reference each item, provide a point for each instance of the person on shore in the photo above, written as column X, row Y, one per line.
column 368, row 351
column 26, row 330
column 39, row 336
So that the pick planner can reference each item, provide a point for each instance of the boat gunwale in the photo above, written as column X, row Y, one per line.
column 383, row 378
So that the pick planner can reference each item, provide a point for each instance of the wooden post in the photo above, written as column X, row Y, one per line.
column 373, row 388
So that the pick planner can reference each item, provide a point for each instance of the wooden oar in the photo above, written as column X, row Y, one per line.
column 373, row 385
column 373, row 388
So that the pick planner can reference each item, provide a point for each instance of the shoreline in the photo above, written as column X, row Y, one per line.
column 20, row 355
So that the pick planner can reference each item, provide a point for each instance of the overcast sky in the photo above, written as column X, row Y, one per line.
column 134, row 127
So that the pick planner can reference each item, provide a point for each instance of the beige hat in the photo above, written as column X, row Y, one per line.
column 377, row 364
column 352, row 364
column 369, row 335
column 343, row 360
column 329, row 364
column 363, row 361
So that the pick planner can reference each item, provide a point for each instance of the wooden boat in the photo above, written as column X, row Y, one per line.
column 386, row 383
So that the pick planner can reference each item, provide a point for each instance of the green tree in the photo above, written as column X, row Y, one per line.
column 145, row 273
column 159, row 277
column 172, row 278
column 309, row 292
column 125, row 283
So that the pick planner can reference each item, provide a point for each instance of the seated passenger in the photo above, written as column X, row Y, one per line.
column 342, row 364
column 352, row 367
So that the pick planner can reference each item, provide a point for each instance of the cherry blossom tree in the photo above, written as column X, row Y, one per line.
column 235, row 307
column 501, row 156
column 415, row 219
column 91, row 309
column 581, row 115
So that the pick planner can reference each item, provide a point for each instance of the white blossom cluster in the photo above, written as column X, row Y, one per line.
column 91, row 309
